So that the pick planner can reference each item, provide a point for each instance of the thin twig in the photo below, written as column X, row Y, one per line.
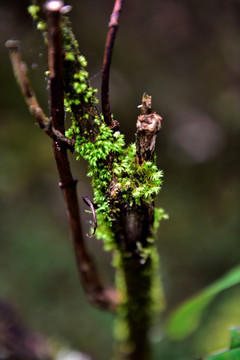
column 90, row 204
column 95, row 291
column 21, row 74
column 112, row 30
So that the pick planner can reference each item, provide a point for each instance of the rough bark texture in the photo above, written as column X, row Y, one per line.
column 148, row 125
column 134, row 226
column 138, row 316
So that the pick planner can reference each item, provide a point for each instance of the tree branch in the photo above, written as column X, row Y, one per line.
column 97, row 294
column 21, row 74
column 95, row 291
column 112, row 30
column 133, row 229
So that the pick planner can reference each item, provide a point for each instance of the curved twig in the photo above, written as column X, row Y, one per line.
column 112, row 30
column 90, row 204
column 21, row 74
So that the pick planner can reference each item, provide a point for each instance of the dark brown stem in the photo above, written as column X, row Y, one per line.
column 134, row 226
column 112, row 30
column 90, row 204
column 95, row 291
column 21, row 74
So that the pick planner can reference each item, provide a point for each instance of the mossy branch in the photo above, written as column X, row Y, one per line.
column 125, row 181
column 97, row 294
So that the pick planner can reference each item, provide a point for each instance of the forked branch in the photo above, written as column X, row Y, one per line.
column 97, row 294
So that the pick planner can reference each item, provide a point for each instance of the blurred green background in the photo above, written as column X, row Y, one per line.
column 187, row 56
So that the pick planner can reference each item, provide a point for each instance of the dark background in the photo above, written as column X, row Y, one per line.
column 187, row 56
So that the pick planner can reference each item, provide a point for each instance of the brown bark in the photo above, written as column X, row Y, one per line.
column 21, row 74
column 112, row 30
column 95, row 291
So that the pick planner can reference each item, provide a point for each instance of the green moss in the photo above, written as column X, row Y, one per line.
column 34, row 11
column 105, row 233
column 117, row 179
column 41, row 25
column 82, row 60
column 137, row 182
column 159, row 214
column 69, row 56
column 79, row 95
column 151, row 298
column 137, row 309
column 122, row 179
column 121, row 330
column 157, row 291
column 97, row 153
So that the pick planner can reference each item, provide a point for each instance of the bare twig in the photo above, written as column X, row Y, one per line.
column 112, row 30
column 95, row 291
column 62, row 139
column 21, row 73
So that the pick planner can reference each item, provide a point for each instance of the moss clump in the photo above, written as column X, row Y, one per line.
column 137, row 182
column 34, row 11
column 97, row 154
column 79, row 95
column 133, row 183
column 41, row 25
